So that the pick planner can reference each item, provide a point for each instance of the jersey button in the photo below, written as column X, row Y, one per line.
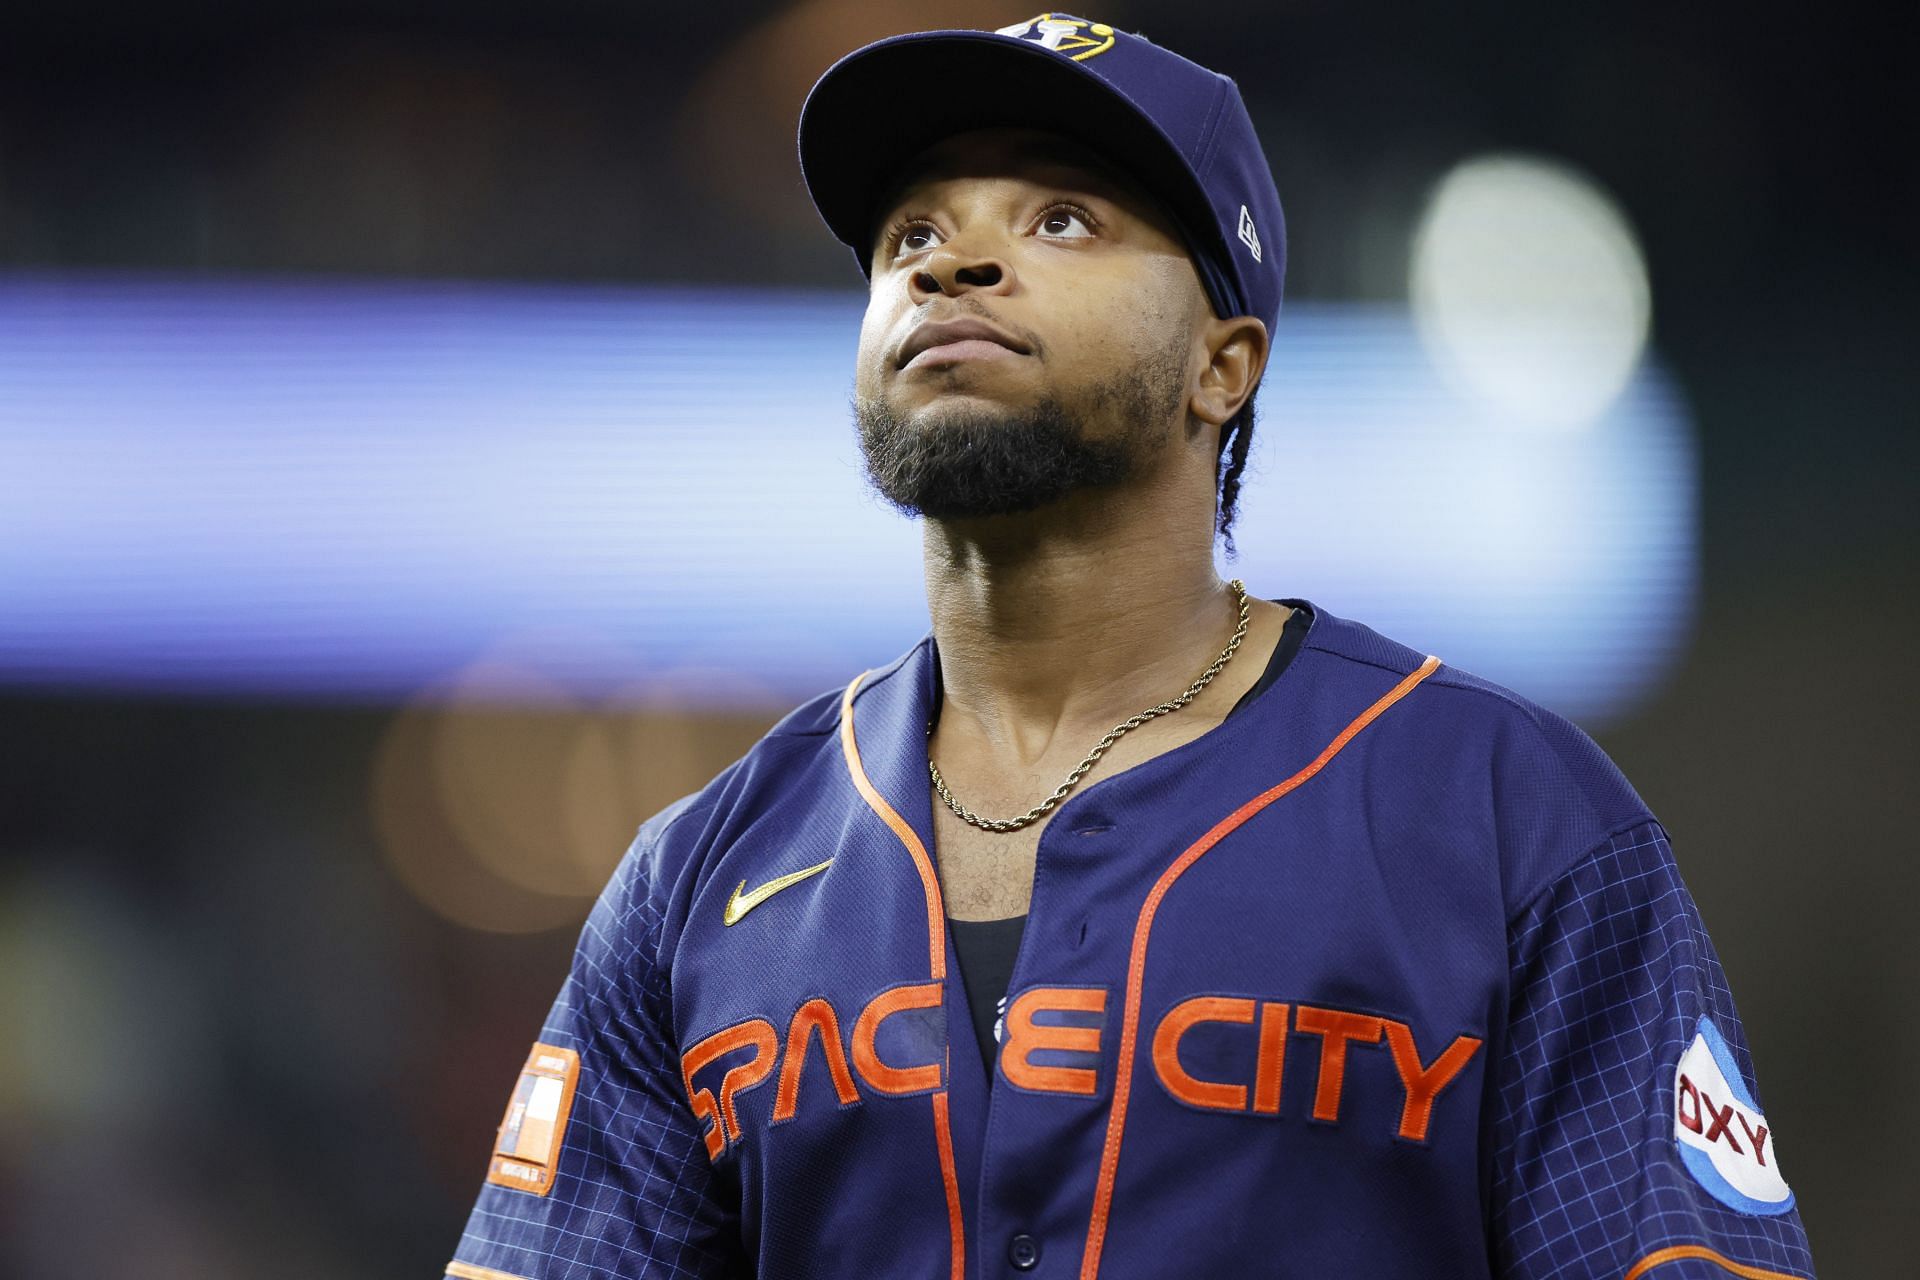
column 1023, row 1251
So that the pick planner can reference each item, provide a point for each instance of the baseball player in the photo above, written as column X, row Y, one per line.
column 1130, row 925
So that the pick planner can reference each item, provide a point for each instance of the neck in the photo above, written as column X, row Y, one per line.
column 1071, row 619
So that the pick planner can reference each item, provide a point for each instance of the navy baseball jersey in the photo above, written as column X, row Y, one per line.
column 1389, row 974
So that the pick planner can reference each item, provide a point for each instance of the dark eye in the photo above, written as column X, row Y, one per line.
column 917, row 237
column 1064, row 223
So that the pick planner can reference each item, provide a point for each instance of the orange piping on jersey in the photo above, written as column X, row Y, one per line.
column 1137, row 962
column 467, row 1271
column 1704, row 1254
column 956, row 1233
column 936, row 955
column 936, row 914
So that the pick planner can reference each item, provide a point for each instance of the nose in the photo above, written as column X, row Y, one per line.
column 954, row 269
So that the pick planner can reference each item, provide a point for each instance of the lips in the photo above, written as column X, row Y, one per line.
column 964, row 339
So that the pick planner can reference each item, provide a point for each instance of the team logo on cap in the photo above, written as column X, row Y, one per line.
column 1073, row 37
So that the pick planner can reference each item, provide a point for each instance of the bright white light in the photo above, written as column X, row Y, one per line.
column 653, row 498
column 1530, row 290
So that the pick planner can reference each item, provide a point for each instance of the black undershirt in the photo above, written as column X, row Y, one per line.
column 985, row 949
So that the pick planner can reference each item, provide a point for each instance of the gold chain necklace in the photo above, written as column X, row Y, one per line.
column 1114, row 734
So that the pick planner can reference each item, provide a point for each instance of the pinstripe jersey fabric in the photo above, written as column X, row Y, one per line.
column 1418, row 1012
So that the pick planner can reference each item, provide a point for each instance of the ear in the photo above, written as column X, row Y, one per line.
column 1236, row 353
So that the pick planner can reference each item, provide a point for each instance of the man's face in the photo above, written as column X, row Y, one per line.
column 1030, row 330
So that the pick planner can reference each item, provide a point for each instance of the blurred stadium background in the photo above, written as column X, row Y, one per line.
column 423, row 455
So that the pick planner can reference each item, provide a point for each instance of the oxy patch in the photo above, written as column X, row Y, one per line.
column 1726, row 1144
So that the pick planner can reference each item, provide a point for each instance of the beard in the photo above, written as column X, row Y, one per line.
column 957, row 464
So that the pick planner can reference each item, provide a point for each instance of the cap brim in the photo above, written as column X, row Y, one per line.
column 879, row 107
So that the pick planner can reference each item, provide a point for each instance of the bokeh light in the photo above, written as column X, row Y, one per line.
column 1530, row 290
column 427, row 847
column 503, row 797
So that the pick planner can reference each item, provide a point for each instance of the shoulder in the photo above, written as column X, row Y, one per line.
column 795, row 769
column 1549, row 794
column 671, row 838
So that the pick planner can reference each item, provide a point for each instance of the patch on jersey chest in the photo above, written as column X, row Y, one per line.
column 527, row 1150
column 1725, row 1142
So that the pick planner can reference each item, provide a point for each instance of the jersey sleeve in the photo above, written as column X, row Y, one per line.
column 1627, row 1138
column 598, row 1170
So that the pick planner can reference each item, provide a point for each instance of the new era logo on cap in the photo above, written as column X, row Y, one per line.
column 1248, row 236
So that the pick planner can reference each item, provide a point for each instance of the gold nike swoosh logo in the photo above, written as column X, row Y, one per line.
column 742, row 902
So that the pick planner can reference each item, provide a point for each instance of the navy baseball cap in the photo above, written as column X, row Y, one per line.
column 1178, row 129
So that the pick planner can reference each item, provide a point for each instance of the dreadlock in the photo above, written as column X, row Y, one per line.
column 1234, row 442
